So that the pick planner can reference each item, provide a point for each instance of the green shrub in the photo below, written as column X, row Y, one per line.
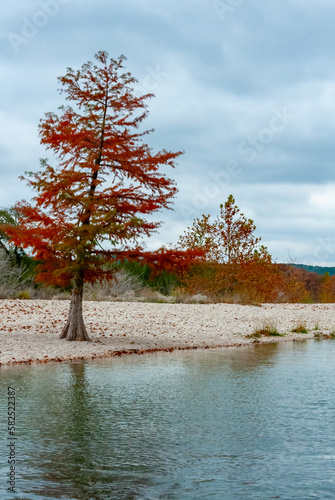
column 24, row 295
column 300, row 328
column 267, row 330
column 164, row 282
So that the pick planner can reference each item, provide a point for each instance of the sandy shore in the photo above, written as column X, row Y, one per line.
column 29, row 330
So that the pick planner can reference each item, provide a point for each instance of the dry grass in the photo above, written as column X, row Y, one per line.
column 267, row 330
column 187, row 298
column 150, row 295
column 123, row 286
column 12, row 281
column 301, row 327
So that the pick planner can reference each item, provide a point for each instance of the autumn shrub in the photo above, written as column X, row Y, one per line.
column 293, row 287
column 199, row 280
column 258, row 280
column 255, row 281
column 237, row 267
column 327, row 289
column 217, row 281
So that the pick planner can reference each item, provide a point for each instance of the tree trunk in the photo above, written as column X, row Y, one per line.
column 75, row 328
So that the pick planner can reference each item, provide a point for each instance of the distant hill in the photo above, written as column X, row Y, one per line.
column 315, row 269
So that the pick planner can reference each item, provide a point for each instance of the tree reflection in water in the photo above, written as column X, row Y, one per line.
column 247, row 422
column 88, row 444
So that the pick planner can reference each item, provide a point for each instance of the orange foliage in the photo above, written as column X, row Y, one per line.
column 93, row 206
column 238, row 268
column 228, row 239
column 327, row 289
column 233, row 234
column 253, row 281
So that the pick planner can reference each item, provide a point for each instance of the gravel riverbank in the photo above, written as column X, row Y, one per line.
column 30, row 329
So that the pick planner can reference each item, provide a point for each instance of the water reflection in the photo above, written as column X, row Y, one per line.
column 249, row 422
column 95, row 445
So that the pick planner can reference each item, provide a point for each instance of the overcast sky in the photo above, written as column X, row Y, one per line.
column 245, row 88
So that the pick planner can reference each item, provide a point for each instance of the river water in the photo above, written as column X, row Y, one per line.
column 251, row 422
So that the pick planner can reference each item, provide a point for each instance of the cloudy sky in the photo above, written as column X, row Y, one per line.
column 245, row 88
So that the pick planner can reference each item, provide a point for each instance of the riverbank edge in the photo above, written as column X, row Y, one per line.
column 139, row 352
column 30, row 330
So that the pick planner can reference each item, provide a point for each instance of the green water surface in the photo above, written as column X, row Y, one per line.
column 250, row 422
